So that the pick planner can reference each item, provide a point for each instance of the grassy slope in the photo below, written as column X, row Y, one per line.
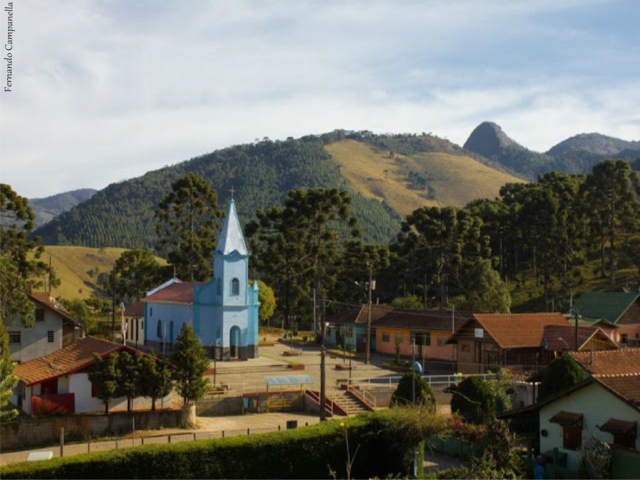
column 456, row 179
column 79, row 267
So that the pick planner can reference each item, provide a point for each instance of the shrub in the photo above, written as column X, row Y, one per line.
column 404, row 394
column 561, row 374
column 473, row 400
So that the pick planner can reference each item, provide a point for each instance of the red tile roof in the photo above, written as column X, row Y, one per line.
column 46, row 300
column 135, row 310
column 390, row 317
column 72, row 358
column 625, row 361
column 516, row 330
column 558, row 338
column 626, row 387
column 181, row 293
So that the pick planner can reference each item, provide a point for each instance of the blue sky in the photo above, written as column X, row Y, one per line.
column 107, row 90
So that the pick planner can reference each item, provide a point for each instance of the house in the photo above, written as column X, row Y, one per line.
column 52, row 328
column 520, row 341
column 620, row 309
column 223, row 311
column 419, row 333
column 605, row 406
column 59, row 381
column 133, row 324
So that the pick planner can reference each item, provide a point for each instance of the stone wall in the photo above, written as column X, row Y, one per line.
column 250, row 403
column 38, row 431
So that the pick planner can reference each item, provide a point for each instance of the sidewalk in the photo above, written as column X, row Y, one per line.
column 207, row 427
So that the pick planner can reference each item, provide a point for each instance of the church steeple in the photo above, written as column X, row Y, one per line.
column 231, row 238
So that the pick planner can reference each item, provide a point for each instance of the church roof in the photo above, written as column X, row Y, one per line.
column 231, row 238
column 178, row 293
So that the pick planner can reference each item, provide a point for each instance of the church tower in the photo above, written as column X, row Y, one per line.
column 226, row 308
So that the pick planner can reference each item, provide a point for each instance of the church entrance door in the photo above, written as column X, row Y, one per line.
column 234, row 342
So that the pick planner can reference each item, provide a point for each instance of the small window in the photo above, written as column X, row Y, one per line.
column 235, row 287
column 50, row 336
column 624, row 338
column 427, row 339
column 219, row 287
column 39, row 314
column 385, row 337
column 151, row 311
column 159, row 329
column 15, row 337
column 571, row 437
column 442, row 341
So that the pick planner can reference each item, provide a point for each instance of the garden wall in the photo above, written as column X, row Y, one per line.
column 45, row 430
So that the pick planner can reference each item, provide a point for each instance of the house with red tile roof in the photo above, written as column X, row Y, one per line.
column 422, row 334
column 605, row 406
column 52, row 327
column 521, row 341
column 59, row 381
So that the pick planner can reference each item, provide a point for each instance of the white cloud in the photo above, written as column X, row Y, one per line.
column 109, row 90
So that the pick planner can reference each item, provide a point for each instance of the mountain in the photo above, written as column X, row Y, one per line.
column 387, row 176
column 50, row 207
column 577, row 154
column 488, row 140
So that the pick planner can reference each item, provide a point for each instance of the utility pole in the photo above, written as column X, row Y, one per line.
column 323, row 380
column 368, row 352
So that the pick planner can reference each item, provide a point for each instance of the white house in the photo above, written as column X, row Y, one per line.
column 223, row 311
column 59, row 382
column 52, row 329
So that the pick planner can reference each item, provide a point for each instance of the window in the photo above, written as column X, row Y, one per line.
column 219, row 287
column 49, row 387
column 50, row 336
column 39, row 314
column 571, row 437
column 624, row 338
column 623, row 431
column 235, row 287
column 151, row 311
column 427, row 339
column 15, row 337
column 159, row 329
column 385, row 337
column 442, row 341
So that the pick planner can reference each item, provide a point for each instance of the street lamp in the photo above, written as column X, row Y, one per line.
column 323, row 380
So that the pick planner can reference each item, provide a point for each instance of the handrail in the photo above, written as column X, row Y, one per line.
column 364, row 396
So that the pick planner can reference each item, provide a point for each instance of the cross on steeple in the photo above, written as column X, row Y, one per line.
column 232, row 192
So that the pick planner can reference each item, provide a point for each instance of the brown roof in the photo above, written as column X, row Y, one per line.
column 625, row 361
column 135, row 310
column 619, row 427
column 72, row 358
column 512, row 330
column 558, row 338
column 46, row 300
column 567, row 418
column 388, row 316
column 627, row 387
column 181, row 292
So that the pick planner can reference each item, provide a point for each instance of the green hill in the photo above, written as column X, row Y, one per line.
column 420, row 170
column 50, row 207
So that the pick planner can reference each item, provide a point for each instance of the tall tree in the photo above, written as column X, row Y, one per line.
column 14, row 303
column 157, row 378
column 190, row 362
column 298, row 247
column 484, row 289
column 81, row 313
column 611, row 193
column 105, row 376
column 129, row 378
column 8, row 380
column 134, row 273
column 187, row 222
column 16, row 222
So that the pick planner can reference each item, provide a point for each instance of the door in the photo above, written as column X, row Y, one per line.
column 234, row 342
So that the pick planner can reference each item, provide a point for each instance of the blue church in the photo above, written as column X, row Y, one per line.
column 223, row 311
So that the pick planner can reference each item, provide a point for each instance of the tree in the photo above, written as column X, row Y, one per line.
column 104, row 376
column 134, row 274
column 485, row 291
column 473, row 400
column 410, row 302
column 411, row 383
column 157, row 378
column 16, row 222
column 129, row 378
column 8, row 380
column 14, row 303
column 190, row 362
column 187, row 221
column 267, row 300
column 81, row 313
column 560, row 374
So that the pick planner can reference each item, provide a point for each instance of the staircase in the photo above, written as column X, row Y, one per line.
column 346, row 402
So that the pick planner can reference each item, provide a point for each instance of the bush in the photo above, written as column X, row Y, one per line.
column 561, row 374
column 404, row 392
column 473, row 400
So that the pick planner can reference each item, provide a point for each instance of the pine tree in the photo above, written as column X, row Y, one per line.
column 190, row 363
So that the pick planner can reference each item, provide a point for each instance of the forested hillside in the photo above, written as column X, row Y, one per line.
column 50, row 207
column 423, row 168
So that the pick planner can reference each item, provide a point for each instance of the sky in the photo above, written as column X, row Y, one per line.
column 106, row 90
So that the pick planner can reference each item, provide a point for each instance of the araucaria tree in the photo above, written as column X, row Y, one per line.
column 187, row 221
column 134, row 273
column 190, row 363
column 7, row 379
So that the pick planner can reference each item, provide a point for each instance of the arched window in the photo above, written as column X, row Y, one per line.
column 160, row 329
column 219, row 287
column 235, row 287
